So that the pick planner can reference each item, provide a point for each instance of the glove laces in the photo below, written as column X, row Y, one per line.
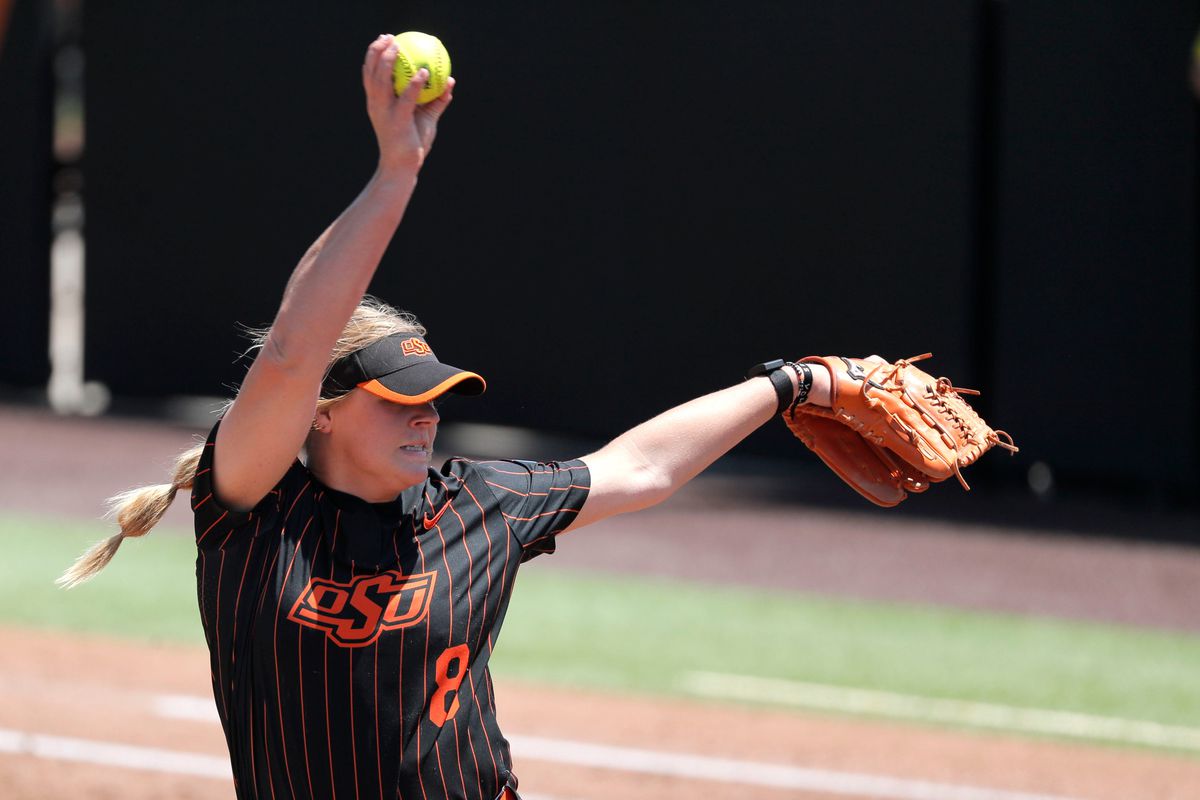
column 940, row 395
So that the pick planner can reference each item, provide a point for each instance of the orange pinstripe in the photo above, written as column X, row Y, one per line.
column 487, row 536
column 514, row 491
column 375, row 681
column 507, row 539
column 526, row 507
column 525, row 472
column 437, row 752
column 287, row 769
column 350, row 684
column 471, row 746
column 424, row 688
column 535, row 494
column 399, row 684
column 337, row 525
column 300, row 667
column 299, row 494
column 220, row 661
column 488, row 572
column 450, row 581
column 238, row 602
column 542, row 514
column 267, row 750
column 450, row 504
column 210, row 527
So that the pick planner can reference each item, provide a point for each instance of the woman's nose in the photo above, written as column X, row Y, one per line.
column 427, row 414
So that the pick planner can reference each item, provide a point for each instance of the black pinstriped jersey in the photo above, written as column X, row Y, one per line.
column 350, row 641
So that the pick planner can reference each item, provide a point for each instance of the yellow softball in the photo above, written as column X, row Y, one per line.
column 415, row 50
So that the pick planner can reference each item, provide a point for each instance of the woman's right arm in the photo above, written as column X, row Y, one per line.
column 267, row 424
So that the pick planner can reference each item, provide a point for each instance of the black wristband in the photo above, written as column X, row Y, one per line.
column 803, row 384
column 782, row 382
column 783, row 388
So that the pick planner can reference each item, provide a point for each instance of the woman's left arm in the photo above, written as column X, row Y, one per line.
column 648, row 463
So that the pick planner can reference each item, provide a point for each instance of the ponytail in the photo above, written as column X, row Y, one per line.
column 139, row 510
column 136, row 511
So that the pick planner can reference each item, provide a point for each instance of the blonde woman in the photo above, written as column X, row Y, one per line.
column 351, row 600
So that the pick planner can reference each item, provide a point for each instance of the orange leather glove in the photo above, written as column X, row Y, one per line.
column 892, row 429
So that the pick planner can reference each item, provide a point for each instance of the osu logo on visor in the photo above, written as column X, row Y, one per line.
column 414, row 347
column 354, row 614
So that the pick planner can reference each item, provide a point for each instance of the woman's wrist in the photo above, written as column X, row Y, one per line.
column 811, row 383
column 396, row 174
column 392, row 187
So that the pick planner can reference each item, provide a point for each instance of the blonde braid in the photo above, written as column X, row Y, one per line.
column 136, row 511
column 139, row 510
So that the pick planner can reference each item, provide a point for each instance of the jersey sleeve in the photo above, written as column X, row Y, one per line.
column 217, row 525
column 537, row 499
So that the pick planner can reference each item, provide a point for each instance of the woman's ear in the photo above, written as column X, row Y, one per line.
column 322, row 421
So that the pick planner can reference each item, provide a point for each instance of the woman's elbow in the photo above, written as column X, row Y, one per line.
column 650, row 485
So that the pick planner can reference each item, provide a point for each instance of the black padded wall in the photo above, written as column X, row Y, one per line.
column 630, row 202
column 618, row 214
column 1096, row 295
column 26, row 112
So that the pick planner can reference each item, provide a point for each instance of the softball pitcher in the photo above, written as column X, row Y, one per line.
column 350, row 593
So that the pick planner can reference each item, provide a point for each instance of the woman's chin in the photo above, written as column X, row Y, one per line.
column 412, row 462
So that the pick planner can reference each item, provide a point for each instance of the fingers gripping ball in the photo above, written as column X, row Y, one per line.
column 415, row 50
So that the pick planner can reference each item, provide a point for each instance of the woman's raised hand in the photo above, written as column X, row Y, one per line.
column 404, row 130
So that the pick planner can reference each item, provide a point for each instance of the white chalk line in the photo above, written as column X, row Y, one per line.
column 107, row 754
column 753, row 773
column 87, row 751
column 185, row 706
column 958, row 712
column 624, row 759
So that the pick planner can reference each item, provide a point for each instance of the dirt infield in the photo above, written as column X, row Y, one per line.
column 94, row 690
column 78, row 694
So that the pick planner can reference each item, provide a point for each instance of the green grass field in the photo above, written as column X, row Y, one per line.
column 643, row 635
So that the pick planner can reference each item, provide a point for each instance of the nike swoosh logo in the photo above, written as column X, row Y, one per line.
column 429, row 523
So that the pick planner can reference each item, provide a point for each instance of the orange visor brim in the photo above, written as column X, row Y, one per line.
column 379, row 390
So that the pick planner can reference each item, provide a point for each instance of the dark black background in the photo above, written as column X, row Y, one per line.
column 26, row 170
column 629, row 202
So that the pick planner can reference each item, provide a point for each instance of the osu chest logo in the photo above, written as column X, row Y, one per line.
column 354, row 614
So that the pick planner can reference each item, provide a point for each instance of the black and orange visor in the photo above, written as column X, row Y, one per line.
column 401, row 368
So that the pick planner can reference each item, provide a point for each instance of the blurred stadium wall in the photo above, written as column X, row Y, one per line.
column 26, row 172
column 630, row 202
